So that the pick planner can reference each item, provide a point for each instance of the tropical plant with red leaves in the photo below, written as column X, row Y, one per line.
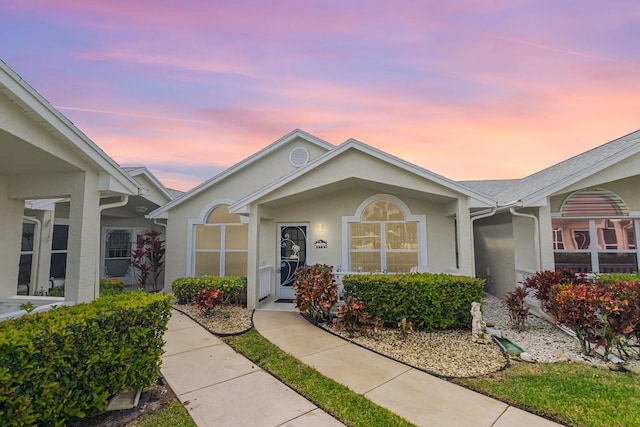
column 316, row 291
column 148, row 257
column 208, row 299
column 351, row 314
column 606, row 315
column 543, row 281
column 514, row 301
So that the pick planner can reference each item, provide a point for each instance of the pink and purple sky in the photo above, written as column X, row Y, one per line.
column 477, row 89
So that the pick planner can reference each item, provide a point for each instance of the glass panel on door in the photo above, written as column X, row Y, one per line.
column 293, row 254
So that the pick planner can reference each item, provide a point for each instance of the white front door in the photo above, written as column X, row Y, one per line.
column 292, row 252
column 116, row 258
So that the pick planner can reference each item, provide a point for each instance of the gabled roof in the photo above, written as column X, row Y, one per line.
column 552, row 179
column 142, row 170
column 297, row 133
column 36, row 106
column 241, row 204
column 490, row 187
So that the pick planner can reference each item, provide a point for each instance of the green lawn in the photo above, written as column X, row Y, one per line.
column 173, row 414
column 572, row 393
column 351, row 408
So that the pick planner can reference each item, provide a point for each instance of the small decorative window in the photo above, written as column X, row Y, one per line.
column 594, row 202
column 299, row 156
column 593, row 234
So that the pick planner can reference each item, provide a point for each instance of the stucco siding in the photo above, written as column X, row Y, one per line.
column 494, row 253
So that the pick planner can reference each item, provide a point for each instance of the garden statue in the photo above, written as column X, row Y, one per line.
column 478, row 326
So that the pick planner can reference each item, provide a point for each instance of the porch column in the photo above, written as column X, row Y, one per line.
column 84, row 238
column 253, row 263
column 547, row 261
column 11, row 212
column 465, row 238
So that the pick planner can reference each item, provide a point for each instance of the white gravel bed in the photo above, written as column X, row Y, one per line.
column 446, row 353
column 450, row 353
column 225, row 319
column 543, row 340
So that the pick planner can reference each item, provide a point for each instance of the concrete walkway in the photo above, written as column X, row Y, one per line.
column 413, row 394
column 219, row 387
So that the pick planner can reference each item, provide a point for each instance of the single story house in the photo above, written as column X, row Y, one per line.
column 302, row 200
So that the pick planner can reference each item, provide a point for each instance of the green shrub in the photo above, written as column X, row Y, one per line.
column 316, row 291
column 428, row 301
column 56, row 291
column 111, row 286
column 235, row 288
column 64, row 364
column 611, row 278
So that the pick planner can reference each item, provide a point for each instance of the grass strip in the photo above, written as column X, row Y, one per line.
column 173, row 414
column 572, row 393
column 350, row 408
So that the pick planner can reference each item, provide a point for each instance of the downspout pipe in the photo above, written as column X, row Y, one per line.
column 483, row 214
column 122, row 202
column 536, row 234
column 36, row 250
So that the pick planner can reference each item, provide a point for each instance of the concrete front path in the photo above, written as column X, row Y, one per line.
column 219, row 387
column 413, row 394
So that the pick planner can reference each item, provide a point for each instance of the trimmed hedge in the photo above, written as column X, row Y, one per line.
column 111, row 286
column 64, row 364
column 234, row 287
column 429, row 301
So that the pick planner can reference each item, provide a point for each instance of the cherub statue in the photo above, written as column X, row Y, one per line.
column 478, row 326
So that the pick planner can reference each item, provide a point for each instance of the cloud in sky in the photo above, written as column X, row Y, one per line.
column 469, row 89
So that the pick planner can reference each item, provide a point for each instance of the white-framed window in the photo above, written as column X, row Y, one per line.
column 596, row 234
column 59, row 243
column 384, row 235
column 558, row 242
column 26, row 258
column 221, row 244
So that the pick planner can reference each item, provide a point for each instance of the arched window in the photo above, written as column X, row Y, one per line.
column 384, row 236
column 221, row 244
column 595, row 234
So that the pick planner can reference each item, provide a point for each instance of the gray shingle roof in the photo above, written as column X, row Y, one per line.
column 560, row 175
column 491, row 187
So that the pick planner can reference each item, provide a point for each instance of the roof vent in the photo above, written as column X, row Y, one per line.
column 299, row 157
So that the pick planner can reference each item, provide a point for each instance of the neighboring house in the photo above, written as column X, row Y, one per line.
column 45, row 232
column 302, row 200
column 581, row 214
column 44, row 156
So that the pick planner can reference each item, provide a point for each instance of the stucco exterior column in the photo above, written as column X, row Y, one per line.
column 11, row 212
column 253, row 258
column 84, row 238
column 546, row 238
column 465, row 238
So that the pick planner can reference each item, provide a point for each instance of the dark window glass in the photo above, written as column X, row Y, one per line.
column 28, row 230
column 24, row 271
column 617, row 263
column 577, row 262
column 58, row 266
column 60, row 237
